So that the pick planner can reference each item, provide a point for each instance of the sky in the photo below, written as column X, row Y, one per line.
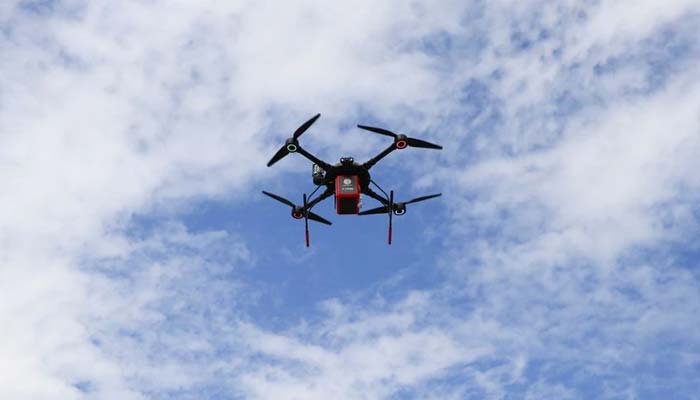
column 139, row 259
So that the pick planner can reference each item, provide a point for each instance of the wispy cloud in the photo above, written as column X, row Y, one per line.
column 571, row 133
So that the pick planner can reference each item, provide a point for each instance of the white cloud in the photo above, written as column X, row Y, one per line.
column 372, row 357
column 601, row 190
column 110, row 110
column 562, row 222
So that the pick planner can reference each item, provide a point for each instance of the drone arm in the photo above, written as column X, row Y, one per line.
column 370, row 163
column 328, row 193
column 313, row 158
column 371, row 193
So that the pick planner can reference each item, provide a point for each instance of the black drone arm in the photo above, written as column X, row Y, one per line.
column 328, row 193
column 370, row 163
column 313, row 159
column 371, row 193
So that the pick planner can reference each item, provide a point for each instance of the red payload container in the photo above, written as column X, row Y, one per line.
column 347, row 194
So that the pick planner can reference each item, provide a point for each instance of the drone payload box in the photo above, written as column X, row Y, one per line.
column 347, row 194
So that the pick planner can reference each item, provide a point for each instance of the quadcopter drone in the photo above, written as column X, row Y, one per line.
column 346, row 180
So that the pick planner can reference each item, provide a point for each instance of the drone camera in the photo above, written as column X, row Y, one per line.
column 347, row 160
column 318, row 174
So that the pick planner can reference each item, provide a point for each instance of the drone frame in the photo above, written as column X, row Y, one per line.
column 347, row 167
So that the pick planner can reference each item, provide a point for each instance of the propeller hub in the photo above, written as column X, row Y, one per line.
column 401, row 142
column 291, row 145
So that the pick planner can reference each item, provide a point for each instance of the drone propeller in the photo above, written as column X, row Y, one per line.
column 278, row 156
column 292, row 144
column 305, row 126
column 422, row 198
column 399, row 208
column 396, row 208
column 280, row 199
column 378, row 210
column 401, row 141
column 298, row 212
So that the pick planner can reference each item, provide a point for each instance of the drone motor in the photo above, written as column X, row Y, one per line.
column 297, row 214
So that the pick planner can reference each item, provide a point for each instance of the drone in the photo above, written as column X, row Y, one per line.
column 346, row 180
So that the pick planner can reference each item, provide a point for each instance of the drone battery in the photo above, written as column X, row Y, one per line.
column 347, row 194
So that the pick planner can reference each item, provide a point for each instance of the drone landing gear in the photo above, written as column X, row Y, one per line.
column 306, row 220
column 391, row 212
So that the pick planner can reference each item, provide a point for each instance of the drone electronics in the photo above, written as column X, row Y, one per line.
column 346, row 180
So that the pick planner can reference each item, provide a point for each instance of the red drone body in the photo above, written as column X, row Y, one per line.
column 347, row 194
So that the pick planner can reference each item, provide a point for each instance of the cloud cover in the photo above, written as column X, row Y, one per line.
column 568, row 267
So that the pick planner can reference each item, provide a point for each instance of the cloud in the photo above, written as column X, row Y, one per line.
column 572, row 131
column 609, row 185
column 565, row 240
column 106, row 115
column 357, row 356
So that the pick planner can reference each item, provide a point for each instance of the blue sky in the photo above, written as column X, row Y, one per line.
column 139, row 260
